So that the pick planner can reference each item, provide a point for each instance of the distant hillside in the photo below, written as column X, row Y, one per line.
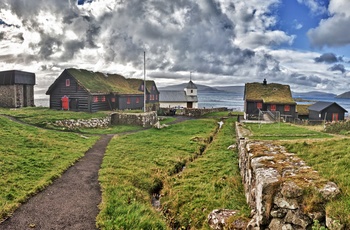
column 231, row 89
column 313, row 94
column 344, row 95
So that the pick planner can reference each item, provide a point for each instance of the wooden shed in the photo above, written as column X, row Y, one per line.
column 329, row 111
column 271, row 97
column 16, row 89
column 93, row 91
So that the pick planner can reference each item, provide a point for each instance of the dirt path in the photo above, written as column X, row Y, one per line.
column 71, row 202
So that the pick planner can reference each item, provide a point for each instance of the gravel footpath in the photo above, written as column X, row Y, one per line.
column 70, row 202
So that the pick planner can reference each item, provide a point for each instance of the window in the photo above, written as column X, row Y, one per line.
column 191, row 90
column 259, row 105
column 273, row 107
column 141, row 87
column 128, row 101
column 151, row 97
column 153, row 88
column 286, row 108
column 137, row 100
column 156, row 96
column 113, row 99
column 67, row 82
column 103, row 99
column 95, row 99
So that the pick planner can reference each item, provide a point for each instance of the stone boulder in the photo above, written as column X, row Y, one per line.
column 220, row 219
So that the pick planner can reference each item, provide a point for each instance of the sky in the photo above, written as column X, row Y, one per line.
column 302, row 43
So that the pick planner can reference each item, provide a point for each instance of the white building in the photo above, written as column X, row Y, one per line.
column 179, row 99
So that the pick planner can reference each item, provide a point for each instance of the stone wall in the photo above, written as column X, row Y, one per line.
column 84, row 123
column 282, row 191
column 201, row 112
column 12, row 96
column 141, row 119
column 7, row 96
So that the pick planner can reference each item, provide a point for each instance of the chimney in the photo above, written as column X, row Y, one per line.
column 264, row 82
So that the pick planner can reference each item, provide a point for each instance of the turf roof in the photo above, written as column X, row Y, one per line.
column 135, row 83
column 96, row 82
column 269, row 93
column 303, row 109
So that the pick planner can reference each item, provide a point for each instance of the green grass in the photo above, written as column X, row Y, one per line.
column 331, row 159
column 30, row 158
column 137, row 165
column 41, row 116
column 45, row 117
column 210, row 182
column 223, row 114
column 282, row 131
column 109, row 130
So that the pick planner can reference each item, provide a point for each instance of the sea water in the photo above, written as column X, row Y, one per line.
column 219, row 99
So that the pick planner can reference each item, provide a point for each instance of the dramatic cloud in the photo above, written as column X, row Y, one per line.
column 219, row 41
column 328, row 58
column 215, row 37
column 338, row 67
column 334, row 30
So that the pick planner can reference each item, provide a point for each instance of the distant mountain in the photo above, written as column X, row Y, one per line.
column 231, row 89
column 344, row 95
column 201, row 88
column 314, row 94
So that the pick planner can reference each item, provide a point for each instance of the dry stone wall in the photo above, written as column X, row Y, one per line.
column 7, row 96
column 200, row 112
column 84, row 123
column 141, row 119
column 281, row 189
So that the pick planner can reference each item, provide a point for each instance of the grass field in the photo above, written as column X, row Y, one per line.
column 329, row 156
column 282, row 131
column 331, row 159
column 30, row 158
column 44, row 117
column 139, row 165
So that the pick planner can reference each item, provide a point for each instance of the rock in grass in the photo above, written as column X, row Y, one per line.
column 222, row 219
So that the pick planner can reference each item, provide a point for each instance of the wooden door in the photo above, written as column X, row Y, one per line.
column 335, row 116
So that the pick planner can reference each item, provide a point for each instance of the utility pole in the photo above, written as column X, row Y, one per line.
column 144, row 81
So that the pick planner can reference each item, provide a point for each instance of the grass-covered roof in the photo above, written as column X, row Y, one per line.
column 268, row 93
column 303, row 109
column 135, row 83
column 96, row 82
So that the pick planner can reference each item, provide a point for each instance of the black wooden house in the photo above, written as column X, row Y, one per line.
column 152, row 93
column 83, row 90
column 273, row 97
column 329, row 111
column 16, row 89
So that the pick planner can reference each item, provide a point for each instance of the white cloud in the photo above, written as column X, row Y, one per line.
column 221, row 41
column 314, row 6
column 333, row 31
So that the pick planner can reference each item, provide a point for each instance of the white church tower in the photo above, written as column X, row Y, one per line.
column 191, row 94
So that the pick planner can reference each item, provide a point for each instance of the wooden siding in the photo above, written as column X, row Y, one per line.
column 130, row 102
column 327, row 113
column 99, row 105
column 76, row 94
column 251, row 109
